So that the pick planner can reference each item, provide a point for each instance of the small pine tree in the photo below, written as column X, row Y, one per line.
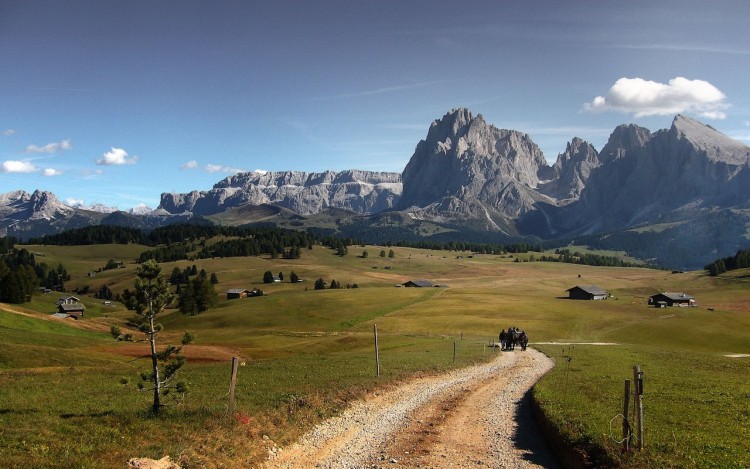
column 214, row 279
column 293, row 277
column 382, row 253
column 320, row 284
column 267, row 277
column 391, row 254
column 152, row 295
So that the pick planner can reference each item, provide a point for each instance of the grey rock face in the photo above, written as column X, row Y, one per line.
column 465, row 159
column 304, row 193
column 571, row 171
column 39, row 205
column 646, row 176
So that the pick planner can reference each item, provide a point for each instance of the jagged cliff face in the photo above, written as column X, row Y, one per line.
column 37, row 213
column 304, row 193
column 647, row 178
column 467, row 166
column 39, row 205
column 569, row 175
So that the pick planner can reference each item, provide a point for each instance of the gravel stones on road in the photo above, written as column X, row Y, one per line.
column 471, row 417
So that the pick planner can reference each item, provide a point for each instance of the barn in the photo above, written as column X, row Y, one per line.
column 73, row 310
column 234, row 293
column 587, row 292
column 664, row 299
column 418, row 283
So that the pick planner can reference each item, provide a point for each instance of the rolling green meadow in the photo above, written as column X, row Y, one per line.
column 68, row 395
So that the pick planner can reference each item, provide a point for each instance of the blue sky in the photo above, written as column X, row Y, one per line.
column 115, row 102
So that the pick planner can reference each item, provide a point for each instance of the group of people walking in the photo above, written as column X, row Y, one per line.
column 512, row 337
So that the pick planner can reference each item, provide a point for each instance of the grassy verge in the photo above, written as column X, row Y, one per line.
column 695, row 405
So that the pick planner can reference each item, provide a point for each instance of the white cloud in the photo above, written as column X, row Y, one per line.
column 7, row 132
column 13, row 166
column 192, row 164
column 50, row 148
column 215, row 168
column 71, row 202
column 116, row 156
column 649, row 98
column 51, row 172
column 261, row 171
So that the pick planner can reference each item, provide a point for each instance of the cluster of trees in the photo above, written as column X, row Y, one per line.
column 268, row 277
column 195, row 290
column 21, row 276
column 565, row 255
column 195, row 295
column 320, row 284
column 391, row 254
column 245, row 242
column 244, row 247
column 99, row 234
column 168, row 253
column 179, row 277
column 181, row 240
column 104, row 293
column 479, row 248
column 741, row 260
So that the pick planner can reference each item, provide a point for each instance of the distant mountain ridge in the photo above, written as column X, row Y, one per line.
column 361, row 192
column 468, row 176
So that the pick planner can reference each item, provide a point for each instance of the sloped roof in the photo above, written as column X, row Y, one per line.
column 676, row 296
column 67, row 300
column 72, row 307
column 420, row 283
column 238, row 291
column 591, row 289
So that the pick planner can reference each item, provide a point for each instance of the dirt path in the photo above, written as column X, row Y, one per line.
column 474, row 417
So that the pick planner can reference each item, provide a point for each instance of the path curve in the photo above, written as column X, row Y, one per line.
column 472, row 417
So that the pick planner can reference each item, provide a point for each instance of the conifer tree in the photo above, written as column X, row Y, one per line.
column 152, row 295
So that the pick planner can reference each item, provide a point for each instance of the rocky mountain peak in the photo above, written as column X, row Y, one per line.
column 454, row 124
column 571, row 171
column 624, row 140
column 43, row 204
column 715, row 145
column 464, row 158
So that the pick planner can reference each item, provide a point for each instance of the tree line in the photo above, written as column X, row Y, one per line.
column 741, row 260
column 21, row 275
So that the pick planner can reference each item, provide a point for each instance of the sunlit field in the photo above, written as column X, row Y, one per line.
column 306, row 353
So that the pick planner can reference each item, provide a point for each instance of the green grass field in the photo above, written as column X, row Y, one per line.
column 307, row 353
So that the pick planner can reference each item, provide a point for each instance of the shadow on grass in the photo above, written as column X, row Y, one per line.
column 529, row 437
column 90, row 415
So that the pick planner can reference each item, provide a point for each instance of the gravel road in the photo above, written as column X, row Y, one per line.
column 472, row 417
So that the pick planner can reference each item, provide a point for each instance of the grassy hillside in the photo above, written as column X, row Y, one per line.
column 306, row 353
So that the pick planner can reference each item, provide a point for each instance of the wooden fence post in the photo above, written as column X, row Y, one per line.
column 625, row 424
column 232, row 381
column 638, row 403
column 377, row 353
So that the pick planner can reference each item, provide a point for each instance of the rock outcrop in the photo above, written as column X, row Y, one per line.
column 362, row 192
column 659, row 177
column 466, row 166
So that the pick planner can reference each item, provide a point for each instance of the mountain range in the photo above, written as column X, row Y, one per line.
column 679, row 197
